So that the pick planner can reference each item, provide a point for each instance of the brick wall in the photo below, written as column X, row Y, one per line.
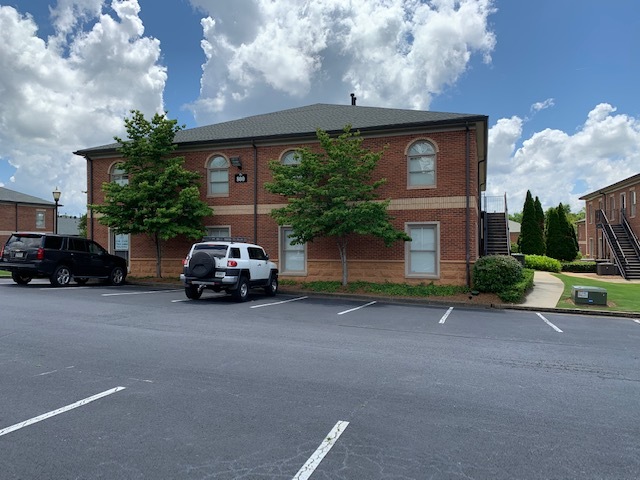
column 20, row 217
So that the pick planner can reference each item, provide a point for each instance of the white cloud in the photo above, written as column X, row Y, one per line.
column 389, row 52
column 536, row 107
column 71, row 91
column 560, row 167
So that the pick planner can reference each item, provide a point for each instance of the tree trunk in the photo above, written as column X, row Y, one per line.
column 158, row 255
column 342, row 248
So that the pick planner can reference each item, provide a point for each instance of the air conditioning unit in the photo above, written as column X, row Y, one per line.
column 589, row 295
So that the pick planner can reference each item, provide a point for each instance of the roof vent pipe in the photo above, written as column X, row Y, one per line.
column 353, row 99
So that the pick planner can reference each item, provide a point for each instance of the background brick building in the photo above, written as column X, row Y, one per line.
column 21, row 212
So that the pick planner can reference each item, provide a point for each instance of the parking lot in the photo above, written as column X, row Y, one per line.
column 139, row 382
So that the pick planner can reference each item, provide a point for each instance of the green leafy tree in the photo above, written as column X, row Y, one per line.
column 82, row 226
column 531, row 239
column 554, row 234
column 539, row 215
column 331, row 194
column 162, row 198
column 516, row 217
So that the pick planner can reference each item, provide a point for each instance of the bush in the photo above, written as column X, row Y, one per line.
column 496, row 273
column 579, row 267
column 515, row 293
column 541, row 262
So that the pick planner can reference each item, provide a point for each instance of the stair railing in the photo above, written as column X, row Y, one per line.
column 612, row 240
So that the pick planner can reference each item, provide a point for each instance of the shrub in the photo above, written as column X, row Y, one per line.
column 515, row 293
column 579, row 267
column 541, row 262
column 496, row 273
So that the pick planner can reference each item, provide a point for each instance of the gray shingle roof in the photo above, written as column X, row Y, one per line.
column 11, row 196
column 305, row 121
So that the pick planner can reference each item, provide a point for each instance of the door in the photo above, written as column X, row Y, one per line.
column 78, row 250
column 258, row 264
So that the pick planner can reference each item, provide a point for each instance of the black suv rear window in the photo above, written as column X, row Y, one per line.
column 24, row 241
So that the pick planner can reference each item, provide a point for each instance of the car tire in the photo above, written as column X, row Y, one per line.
column 20, row 278
column 81, row 281
column 61, row 276
column 117, row 276
column 272, row 286
column 193, row 292
column 202, row 264
column 241, row 294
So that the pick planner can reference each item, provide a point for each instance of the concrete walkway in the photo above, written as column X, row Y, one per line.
column 546, row 293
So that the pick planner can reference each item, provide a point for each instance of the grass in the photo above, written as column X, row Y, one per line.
column 621, row 297
column 4, row 273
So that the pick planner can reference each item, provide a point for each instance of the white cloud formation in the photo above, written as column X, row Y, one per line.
column 536, row 107
column 389, row 52
column 71, row 91
column 559, row 167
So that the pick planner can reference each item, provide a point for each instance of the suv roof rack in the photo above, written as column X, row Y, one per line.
column 224, row 239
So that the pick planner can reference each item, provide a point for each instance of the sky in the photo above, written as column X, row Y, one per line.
column 558, row 79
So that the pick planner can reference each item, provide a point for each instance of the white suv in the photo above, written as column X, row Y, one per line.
column 229, row 264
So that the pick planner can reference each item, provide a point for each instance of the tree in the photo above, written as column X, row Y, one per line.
column 82, row 226
column 331, row 194
column 562, row 243
column 531, row 239
column 161, row 199
column 539, row 215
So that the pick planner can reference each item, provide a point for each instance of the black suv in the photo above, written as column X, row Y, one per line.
column 59, row 258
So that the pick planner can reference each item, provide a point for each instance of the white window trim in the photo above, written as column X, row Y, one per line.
column 43, row 214
column 286, row 153
column 281, row 256
column 407, row 250
column 228, row 227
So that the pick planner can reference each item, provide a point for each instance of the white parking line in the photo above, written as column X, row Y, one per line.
column 54, row 289
column 310, row 466
column 278, row 303
column 637, row 321
column 549, row 323
column 357, row 308
column 446, row 315
column 53, row 413
column 138, row 293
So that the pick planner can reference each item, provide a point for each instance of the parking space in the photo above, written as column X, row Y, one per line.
column 298, row 386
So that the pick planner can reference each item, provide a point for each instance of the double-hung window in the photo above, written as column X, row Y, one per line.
column 218, row 174
column 422, row 254
column 421, row 164
column 293, row 258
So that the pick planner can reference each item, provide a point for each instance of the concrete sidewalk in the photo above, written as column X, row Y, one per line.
column 546, row 293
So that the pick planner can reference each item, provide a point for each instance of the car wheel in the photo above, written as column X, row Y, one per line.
column 117, row 276
column 20, row 278
column 81, row 281
column 201, row 264
column 272, row 287
column 193, row 292
column 61, row 276
column 241, row 294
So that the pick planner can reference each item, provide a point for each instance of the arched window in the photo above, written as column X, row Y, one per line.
column 118, row 175
column 291, row 158
column 218, row 173
column 421, row 160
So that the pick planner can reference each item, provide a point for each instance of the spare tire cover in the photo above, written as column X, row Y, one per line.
column 202, row 264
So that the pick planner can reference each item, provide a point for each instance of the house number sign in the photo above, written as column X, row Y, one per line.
column 241, row 178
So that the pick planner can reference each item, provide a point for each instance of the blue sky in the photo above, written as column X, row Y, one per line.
column 557, row 78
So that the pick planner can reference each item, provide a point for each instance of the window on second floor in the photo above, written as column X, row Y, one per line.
column 40, row 218
column 291, row 158
column 421, row 160
column 218, row 175
column 633, row 207
column 118, row 175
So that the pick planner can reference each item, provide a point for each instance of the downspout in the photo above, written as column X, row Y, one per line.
column 482, row 237
column 255, row 191
column 90, row 229
column 468, row 205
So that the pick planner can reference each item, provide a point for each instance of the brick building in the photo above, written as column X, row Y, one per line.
column 612, row 225
column 434, row 163
column 19, row 211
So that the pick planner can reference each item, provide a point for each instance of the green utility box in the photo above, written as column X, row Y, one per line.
column 589, row 295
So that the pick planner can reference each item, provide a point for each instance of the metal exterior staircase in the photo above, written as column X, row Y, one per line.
column 624, row 246
column 497, row 234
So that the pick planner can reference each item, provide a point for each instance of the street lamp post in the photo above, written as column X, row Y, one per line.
column 56, row 198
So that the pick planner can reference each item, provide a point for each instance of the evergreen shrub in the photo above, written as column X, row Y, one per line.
column 496, row 273
column 579, row 267
column 516, row 293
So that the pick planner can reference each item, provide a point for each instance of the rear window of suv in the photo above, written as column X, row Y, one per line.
column 24, row 241
column 217, row 250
